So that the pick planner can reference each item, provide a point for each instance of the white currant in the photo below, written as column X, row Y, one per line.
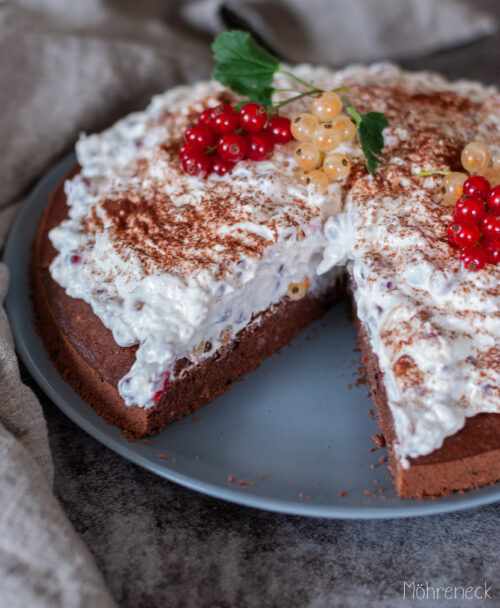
column 336, row 166
column 303, row 126
column 326, row 106
column 308, row 156
column 475, row 157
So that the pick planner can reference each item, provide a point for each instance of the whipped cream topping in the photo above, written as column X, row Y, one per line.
column 178, row 265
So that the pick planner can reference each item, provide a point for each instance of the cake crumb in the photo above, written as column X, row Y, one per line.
column 230, row 478
column 251, row 483
column 308, row 497
column 162, row 456
column 341, row 493
column 372, row 413
column 375, row 481
column 372, row 466
column 368, row 493
column 371, row 449
column 381, row 490
column 301, row 495
column 379, row 440
column 195, row 419
column 174, row 459
column 327, row 447
column 145, row 441
column 382, row 459
column 263, row 476
column 241, row 482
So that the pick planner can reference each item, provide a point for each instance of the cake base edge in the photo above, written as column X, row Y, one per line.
column 468, row 459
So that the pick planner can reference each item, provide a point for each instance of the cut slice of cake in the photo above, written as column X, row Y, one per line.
column 194, row 280
column 156, row 290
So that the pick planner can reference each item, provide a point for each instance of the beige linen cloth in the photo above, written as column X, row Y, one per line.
column 68, row 66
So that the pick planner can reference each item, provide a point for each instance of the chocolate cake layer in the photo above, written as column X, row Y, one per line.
column 86, row 354
column 468, row 459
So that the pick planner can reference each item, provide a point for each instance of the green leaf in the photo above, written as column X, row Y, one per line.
column 371, row 140
column 244, row 66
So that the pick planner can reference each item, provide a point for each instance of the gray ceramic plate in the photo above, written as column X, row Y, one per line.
column 294, row 433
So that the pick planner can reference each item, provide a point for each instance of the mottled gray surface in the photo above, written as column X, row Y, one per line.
column 158, row 544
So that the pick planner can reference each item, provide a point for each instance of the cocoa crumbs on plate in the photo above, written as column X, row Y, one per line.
column 379, row 440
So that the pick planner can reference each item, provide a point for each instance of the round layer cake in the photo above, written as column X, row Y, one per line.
column 156, row 290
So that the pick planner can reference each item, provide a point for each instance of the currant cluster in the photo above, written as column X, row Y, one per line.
column 320, row 132
column 475, row 159
column 475, row 228
column 223, row 136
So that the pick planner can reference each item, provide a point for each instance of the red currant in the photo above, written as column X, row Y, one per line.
column 75, row 259
column 260, row 146
column 279, row 129
column 221, row 166
column 253, row 117
column 463, row 233
column 196, row 162
column 450, row 232
column 491, row 227
column 189, row 148
column 473, row 258
column 494, row 201
column 492, row 250
column 199, row 134
column 478, row 186
column 232, row 147
column 469, row 208
column 159, row 393
column 224, row 119
column 205, row 117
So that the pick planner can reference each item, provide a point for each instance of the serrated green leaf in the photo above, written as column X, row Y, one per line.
column 244, row 66
column 371, row 140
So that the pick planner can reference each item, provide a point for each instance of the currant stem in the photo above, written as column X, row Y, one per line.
column 295, row 97
column 352, row 110
column 433, row 172
column 299, row 80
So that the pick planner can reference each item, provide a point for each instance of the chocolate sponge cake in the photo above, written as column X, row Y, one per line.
column 155, row 290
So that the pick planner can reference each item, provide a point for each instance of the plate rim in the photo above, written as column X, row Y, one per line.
column 230, row 494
